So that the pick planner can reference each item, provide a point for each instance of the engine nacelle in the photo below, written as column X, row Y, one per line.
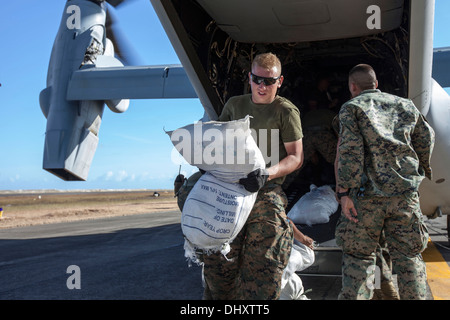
column 434, row 195
column 71, row 136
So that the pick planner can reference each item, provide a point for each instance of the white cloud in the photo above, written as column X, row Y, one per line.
column 109, row 175
column 120, row 176
column 14, row 178
column 133, row 138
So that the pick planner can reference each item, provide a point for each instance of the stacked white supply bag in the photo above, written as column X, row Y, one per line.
column 301, row 258
column 217, row 206
column 213, row 214
column 227, row 150
column 315, row 207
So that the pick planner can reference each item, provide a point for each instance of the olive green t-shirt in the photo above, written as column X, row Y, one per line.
column 273, row 124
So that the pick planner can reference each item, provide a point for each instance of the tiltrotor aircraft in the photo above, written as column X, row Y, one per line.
column 216, row 41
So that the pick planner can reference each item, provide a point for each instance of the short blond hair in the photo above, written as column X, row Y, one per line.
column 267, row 61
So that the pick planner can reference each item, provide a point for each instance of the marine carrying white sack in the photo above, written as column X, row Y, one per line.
column 315, row 207
column 213, row 214
column 227, row 150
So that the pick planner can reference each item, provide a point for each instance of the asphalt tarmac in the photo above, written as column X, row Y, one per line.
column 131, row 257
column 136, row 257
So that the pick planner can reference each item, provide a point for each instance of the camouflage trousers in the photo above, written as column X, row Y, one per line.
column 258, row 255
column 406, row 236
column 384, row 288
column 323, row 142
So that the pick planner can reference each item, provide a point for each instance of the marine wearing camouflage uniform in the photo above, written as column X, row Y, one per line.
column 385, row 149
column 262, row 249
column 186, row 188
column 387, row 290
column 319, row 135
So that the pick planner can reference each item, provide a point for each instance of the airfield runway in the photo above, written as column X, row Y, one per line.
column 131, row 257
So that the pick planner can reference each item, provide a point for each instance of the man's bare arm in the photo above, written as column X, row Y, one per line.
column 290, row 163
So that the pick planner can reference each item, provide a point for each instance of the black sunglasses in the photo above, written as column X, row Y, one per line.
column 267, row 81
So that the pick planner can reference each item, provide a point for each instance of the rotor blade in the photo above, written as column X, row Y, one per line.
column 115, row 3
column 122, row 46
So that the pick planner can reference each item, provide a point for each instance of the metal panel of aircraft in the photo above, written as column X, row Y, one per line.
column 216, row 41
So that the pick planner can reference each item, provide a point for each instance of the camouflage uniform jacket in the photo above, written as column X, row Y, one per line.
column 386, row 145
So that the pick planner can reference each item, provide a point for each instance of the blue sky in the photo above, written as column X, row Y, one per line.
column 133, row 152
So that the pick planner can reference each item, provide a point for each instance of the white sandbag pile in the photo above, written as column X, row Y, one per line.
column 315, row 207
column 217, row 206
column 301, row 258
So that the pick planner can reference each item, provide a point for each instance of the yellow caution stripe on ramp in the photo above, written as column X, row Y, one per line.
column 438, row 272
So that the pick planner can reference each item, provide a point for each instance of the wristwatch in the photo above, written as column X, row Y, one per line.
column 342, row 194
